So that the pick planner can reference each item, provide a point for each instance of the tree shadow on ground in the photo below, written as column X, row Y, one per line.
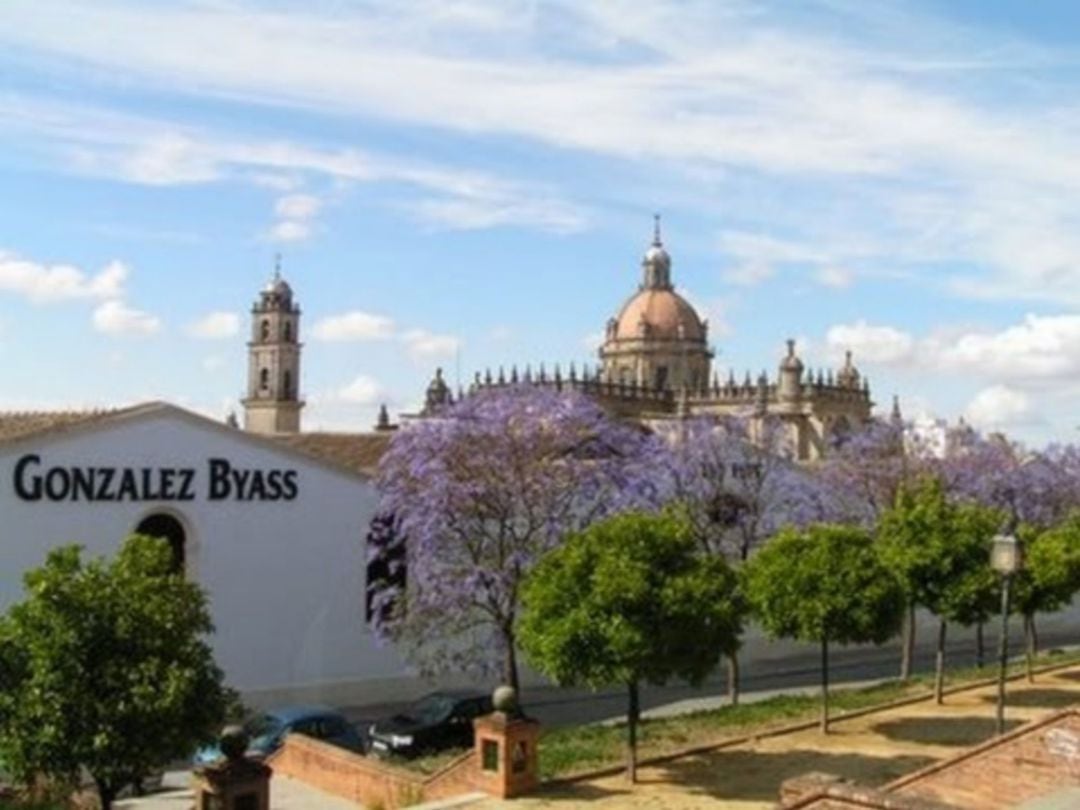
column 1039, row 698
column 938, row 730
column 581, row 791
column 1071, row 675
column 746, row 775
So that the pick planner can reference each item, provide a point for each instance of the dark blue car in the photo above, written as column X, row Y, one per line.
column 267, row 731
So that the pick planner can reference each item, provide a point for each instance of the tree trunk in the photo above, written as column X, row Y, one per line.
column 980, row 646
column 1034, row 636
column 824, row 686
column 632, row 714
column 510, row 667
column 907, row 650
column 1029, row 647
column 106, row 794
column 733, row 679
column 939, row 665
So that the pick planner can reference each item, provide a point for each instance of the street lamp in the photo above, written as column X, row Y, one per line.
column 1007, row 558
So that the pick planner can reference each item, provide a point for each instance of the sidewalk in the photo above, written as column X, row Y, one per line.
column 285, row 794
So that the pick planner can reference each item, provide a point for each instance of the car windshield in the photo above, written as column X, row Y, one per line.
column 262, row 727
column 432, row 709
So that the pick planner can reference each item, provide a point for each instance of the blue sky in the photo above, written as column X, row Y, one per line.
column 469, row 184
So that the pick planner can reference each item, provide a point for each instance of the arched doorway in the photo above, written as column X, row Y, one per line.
column 171, row 530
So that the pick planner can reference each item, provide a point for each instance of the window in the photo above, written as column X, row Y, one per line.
column 264, row 379
column 287, row 392
column 287, row 332
column 169, row 529
column 661, row 377
column 264, row 330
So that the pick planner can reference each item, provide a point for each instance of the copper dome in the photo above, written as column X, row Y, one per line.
column 667, row 314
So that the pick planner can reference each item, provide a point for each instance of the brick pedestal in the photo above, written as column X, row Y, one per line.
column 506, row 756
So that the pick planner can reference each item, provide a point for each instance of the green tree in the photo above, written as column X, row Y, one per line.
column 1050, row 576
column 105, row 667
column 940, row 552
column 629, row 600
column 824, row 584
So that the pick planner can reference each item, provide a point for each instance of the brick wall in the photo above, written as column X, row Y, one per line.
column 1038, row 759
column 366, row 780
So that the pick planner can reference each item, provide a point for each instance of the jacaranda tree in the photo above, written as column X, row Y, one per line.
column 630, row 600
column 105, row 666
column 735, row 484
column 480, row 492
column 825, row 584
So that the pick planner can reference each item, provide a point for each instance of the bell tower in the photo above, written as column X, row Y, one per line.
column 272, row 403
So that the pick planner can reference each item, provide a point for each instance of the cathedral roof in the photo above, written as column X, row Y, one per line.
column 657, row 311
column 662, row 314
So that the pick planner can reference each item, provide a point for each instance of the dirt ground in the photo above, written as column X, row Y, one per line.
column 872, row 750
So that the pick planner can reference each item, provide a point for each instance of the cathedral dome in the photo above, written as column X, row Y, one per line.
column 659, row 313
column 278, row 286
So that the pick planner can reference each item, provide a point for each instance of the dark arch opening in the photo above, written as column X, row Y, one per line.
column 264, row 330
column 171, row 531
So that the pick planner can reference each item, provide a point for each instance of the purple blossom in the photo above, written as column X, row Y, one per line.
column 737, row 482
column 484, row 489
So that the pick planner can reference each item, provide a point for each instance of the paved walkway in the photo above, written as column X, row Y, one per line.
column 285, row 794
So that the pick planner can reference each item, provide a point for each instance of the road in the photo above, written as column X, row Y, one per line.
column 769, row 666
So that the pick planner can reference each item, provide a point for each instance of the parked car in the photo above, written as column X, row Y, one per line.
column 267, row 731
column 435, row 722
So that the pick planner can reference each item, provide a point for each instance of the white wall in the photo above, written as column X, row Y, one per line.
column 285, row 579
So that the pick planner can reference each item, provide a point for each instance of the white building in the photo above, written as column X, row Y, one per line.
column 274, row 535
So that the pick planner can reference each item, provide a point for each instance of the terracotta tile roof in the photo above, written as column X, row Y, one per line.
column 21, row 424
column 359, row 452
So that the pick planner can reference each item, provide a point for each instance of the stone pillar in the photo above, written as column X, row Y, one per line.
column 234, row 782
column 507, row 764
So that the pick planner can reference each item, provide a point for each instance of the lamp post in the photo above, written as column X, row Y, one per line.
column 1006, row 557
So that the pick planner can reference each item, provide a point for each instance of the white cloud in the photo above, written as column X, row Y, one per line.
column 215, row 326
column 171, row 159
column 423, row 345
column 103, row 143
column 749, row 274
column 499, row 207
column 837, row 278
column 354, row 326
column 43, row 283
column 116, row 318
column 999, row 407
column 1039, row 347
column 297, row 206
column 876, row 344
column 290, row 231
column 363, row 390
column 296, row 217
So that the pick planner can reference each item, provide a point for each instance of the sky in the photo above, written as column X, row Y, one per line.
column 471, row 184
